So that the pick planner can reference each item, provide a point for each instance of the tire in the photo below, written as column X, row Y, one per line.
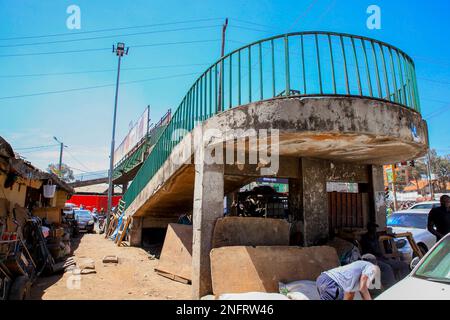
column 20, row 288
column 422, row 248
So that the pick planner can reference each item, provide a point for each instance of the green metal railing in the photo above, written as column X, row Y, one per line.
column 294, row 64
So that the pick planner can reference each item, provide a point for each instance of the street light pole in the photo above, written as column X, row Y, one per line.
column 120, row 51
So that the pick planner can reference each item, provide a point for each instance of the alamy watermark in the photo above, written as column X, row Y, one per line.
column 73, row 21
column 374, row 20
column 233, row 147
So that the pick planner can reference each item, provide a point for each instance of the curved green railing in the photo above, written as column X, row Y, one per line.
column 294, row 64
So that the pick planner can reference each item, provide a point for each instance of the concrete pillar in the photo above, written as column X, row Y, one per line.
column 208, row 206
column 378, row 203
column 315, row 200
column 136, row 232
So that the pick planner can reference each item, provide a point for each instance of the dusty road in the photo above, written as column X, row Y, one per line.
column 132, row 278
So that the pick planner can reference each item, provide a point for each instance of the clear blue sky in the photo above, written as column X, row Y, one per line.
column 82, row 119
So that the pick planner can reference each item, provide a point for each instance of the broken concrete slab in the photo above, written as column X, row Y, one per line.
column 175, row 261
column 85, row 263
column 259, row 269
column 250, row 231
column 110, row 259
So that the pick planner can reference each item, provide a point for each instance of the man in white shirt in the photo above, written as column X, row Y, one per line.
column 343, row 282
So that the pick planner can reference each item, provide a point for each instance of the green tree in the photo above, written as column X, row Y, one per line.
column 66, row 173
column 417, row 172
column 440, row 165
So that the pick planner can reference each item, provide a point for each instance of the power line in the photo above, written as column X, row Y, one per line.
column 103, row 49
column 107, row 36
column 53, row 52
column 252, row 23
column 101, row 70
column 303, row 14
column 110, row 29
column 79, row 162
column 433, row 80
column 94, row 87
column 37, row 147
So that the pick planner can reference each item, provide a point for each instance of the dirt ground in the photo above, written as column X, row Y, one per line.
column 132, row 278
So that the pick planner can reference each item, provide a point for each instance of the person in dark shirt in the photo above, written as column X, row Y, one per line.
column 439, row 218
column 391, row 270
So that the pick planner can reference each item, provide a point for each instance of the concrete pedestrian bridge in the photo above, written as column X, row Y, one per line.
column 335, row 106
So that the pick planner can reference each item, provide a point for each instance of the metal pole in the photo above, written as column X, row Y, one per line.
column 394, row 189
column 60, row 159
column 111, row 155
column 222, row 52
column 430, row 182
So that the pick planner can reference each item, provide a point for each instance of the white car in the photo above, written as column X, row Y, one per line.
column 416, row 224
column 422, row 207
column 429, row 280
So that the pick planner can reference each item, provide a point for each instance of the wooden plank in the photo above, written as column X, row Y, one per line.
column 173, row 277
column 354, row 211
column 123, row 232
column 349, row 209
column 338, row 211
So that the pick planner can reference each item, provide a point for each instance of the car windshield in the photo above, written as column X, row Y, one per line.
column 408, row 220
column 424, row 206
column 436, row 267
column 83, row 214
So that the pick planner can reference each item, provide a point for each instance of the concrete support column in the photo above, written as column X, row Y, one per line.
column 208, row 206
column 136, row 232
column 315, row 200
column 379, row 203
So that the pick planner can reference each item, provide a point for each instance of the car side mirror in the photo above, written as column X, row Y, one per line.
column 414, row 262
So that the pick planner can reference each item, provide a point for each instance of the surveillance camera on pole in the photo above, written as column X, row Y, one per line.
column 120, row 50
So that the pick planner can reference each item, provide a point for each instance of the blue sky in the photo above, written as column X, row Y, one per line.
column 82, row 119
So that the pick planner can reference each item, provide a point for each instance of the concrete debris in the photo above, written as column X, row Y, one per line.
column 110, row 259
column 88, row 271
column 86, row 263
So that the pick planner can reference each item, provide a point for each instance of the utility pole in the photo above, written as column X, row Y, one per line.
column 394, row 189
column 222, row 52
column 430, row 181
column 60, row 156
column 119, row 51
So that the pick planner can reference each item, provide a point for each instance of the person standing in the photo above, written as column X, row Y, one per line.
column 343, row 282
column 439, row 218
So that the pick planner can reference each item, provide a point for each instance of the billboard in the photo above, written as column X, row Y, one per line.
column 136, row 134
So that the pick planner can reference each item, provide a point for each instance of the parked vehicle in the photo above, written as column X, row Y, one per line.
column 430, row 278
column 416, row 224
column 421, row 207
column 85, row 220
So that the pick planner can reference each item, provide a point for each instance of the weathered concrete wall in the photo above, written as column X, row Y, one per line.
column 136, row 232
column 246, row 269
column 250, row 231
column 357, row 130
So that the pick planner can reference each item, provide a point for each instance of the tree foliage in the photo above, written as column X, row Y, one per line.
column 66, row 173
